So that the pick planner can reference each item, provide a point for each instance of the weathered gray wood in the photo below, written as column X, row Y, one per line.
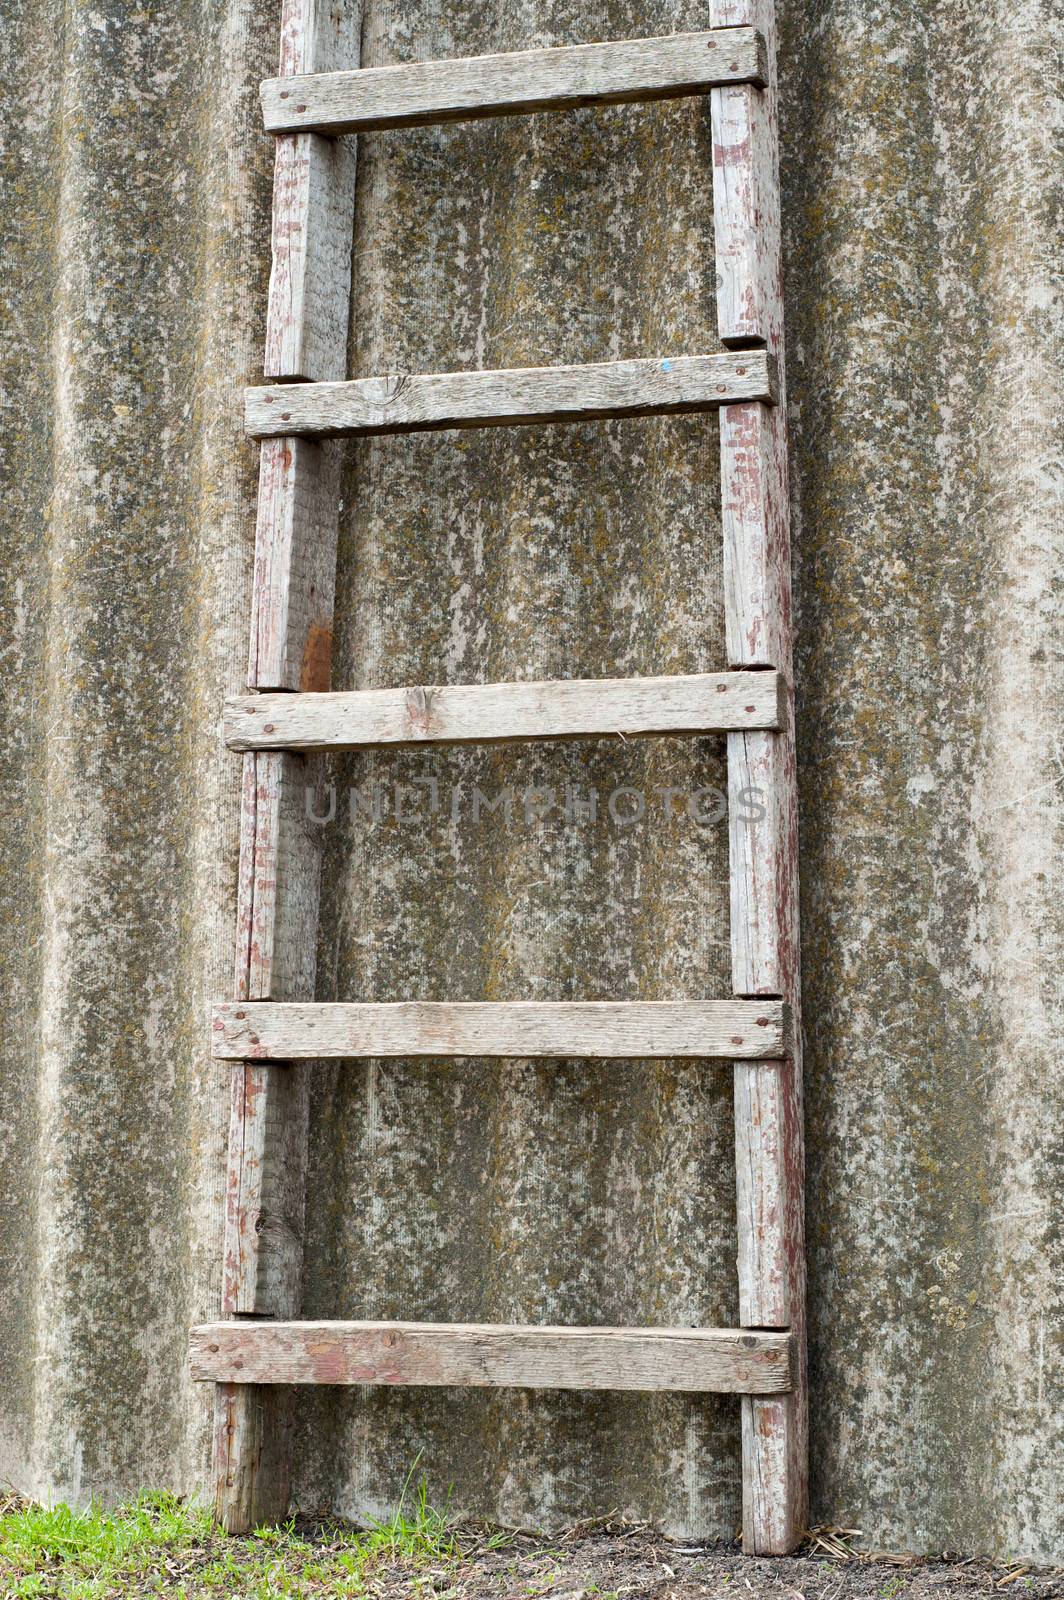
column 263, row 1244
column 768, row 1101
column 765, row 1109
column 295, row 565
column 763, row 841
column 264, row 1257
column 290, row 648
column 411, row 95
column 310, row 279
column 251, row 1460
column 599, row 1029
column 306, row 337
column 746, row 211
column 405, row 403
column 499, row 712
column 755, row 521
column 707, row 1360
column 280, row 860
column 313, row 207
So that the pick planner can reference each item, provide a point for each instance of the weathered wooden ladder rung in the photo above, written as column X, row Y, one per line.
column 423, row 92
column 501, row 713
column 603, row 1030
column 495, row 1355
column 260, row 1352
column 427, row 402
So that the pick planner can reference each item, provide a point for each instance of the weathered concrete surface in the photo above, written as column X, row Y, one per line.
column 923, row 209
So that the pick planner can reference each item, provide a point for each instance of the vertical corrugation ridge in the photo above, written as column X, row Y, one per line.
column 232, row 171
column 921, row 222
column 148, row 492
column 56, row 1465
column 112, row 1253
column 30, row 50
column 1018, row 811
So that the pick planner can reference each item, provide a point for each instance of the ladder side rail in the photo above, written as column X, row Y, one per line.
column 279, row 859
column 769, row 1129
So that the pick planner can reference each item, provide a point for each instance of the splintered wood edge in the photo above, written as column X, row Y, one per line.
column 708, row 1360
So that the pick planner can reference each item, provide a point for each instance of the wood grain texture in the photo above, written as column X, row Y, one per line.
column 746, row 212
column 264, row 1214
column 404, row 403
column 763, row 847
column 310, row 277
column 264, row 1254
column 502, row 712
column 277, row 900
column 755, row 523
column 277, row 914
column 295, row 565
column 766, row 1106
column 706, row 1360
column 598, row 1029
column 251, row 1454
column 313, row 207
column 764, row 872
column 422, row 92
column 306, row 338
column 291, row 635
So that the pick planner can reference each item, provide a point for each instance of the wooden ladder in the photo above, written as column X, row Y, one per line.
column 259, row 1351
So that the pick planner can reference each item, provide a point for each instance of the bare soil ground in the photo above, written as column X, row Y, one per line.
column 642, row 1566
column 608, row 1563
column 161, row 1547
